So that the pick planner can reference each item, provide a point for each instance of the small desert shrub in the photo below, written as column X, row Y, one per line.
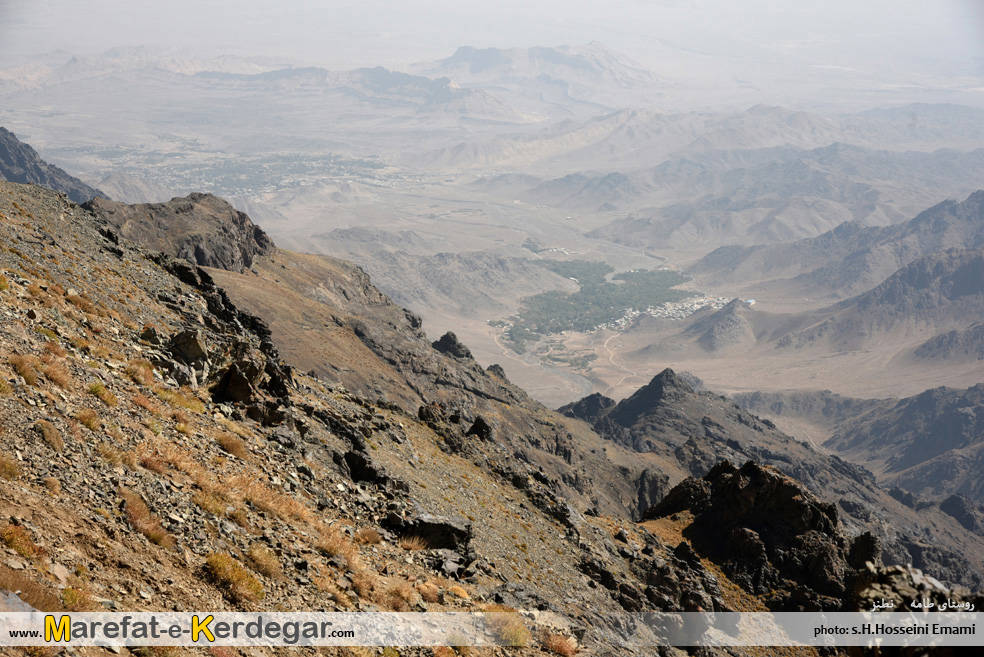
column 368, row 536
column 50, row 434
column 5, row 388
column 53, row 485
column 429, row 592
column 9, row 468
column 234, row 580
column 3, row 283
column 232, row 444
column 77, row 599
column 19, row 540
column 152, row 463
column 507, row 626
column 103, row 394
column 413, row 543
column 35, row 291
column 57, row 374
column 89, row 418
column 443, row 651
column 26, row 366
column 264, row 561
column 560, row 645
column 142, row 520
column 140, row 371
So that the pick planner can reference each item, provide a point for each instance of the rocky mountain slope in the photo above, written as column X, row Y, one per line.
column 20, row 163
column 692, row 431
column 159, row 454
column 200, row 228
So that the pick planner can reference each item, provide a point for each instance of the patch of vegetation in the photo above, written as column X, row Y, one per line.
column 598, row 301
column 141, row 519
column 234, row 580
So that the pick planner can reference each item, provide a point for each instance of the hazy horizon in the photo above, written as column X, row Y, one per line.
column 936, row 45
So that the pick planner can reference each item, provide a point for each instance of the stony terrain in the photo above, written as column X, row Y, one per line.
column 160, row 454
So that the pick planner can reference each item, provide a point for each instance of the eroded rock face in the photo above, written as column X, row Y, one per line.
column 767, row 531
column 450, row 344
column 200, row 228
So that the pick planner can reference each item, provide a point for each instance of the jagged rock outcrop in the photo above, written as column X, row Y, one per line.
column 450, row 344
column 200, row 228
column 770, row 535
column 20, row 163
column 588, row 408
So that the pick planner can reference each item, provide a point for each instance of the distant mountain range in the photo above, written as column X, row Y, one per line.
column 851, row 258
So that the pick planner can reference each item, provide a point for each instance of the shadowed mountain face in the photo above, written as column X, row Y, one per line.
column 851, row 258
column 21, row 164
column 930, row 445
column 201, row 228
column 693, row 431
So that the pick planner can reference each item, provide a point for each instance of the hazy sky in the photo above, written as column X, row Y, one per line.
column 876, row 35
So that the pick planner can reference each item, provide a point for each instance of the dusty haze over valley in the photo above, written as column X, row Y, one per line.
column 577, row 306
column 450, row 149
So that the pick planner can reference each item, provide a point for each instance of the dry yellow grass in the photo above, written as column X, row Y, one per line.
column 232, row 444
column 20, row 541
column 459, row 592
column 265, row 498
column 53, row 485
column 412, row 543
column 50, row 434
column 26, row 366
column 263, row 560
column 234, row 580
column 103, row 394
column 142, row 520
